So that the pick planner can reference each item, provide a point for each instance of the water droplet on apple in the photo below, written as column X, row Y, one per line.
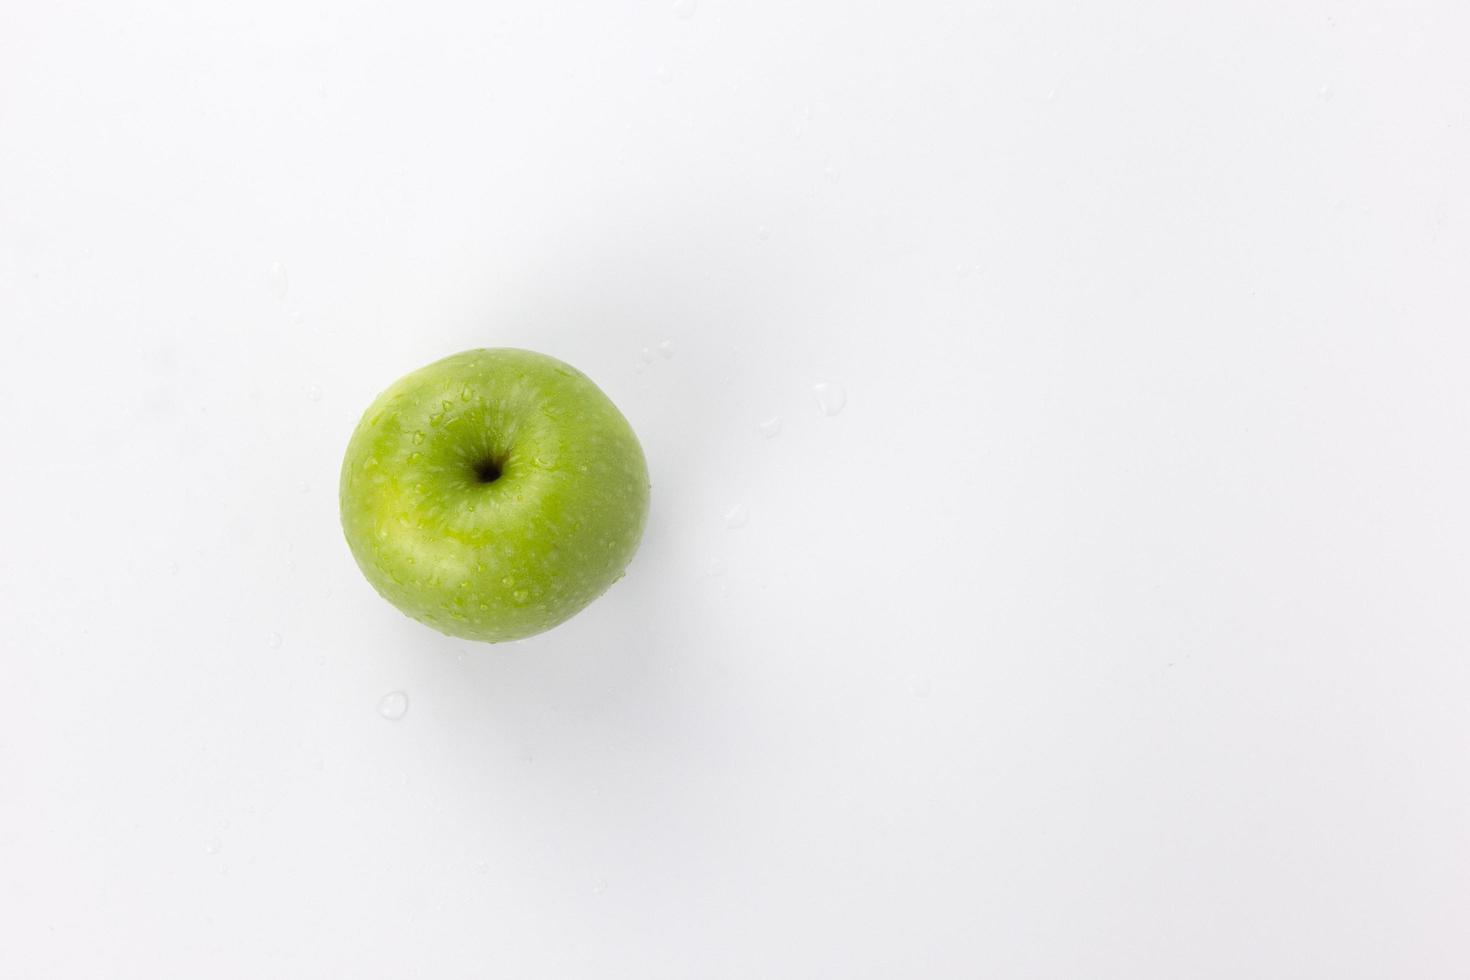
column 771, row 427
column 418, row 438
column 393, row 706
column 831, row 397
column 520, row 595
column 737, row 517
column 465, row 394
column 213, row 846
column 314, row 392
column 273, row 640
column 684, row 9
column 279, row 284
column 666, row 349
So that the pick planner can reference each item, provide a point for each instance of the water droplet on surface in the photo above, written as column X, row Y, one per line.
column 213, row 846
column 273, row 640
column 314, row 392
column 737, row 517
column 662, row 74
column 1051, row 95
column 831, row 397
column 830, row 172
column 173, row 568
column 279, row 284
column 321, row 660
column 304, row 487
column 763, row 233
column 684, row 9
column 666, row 349
column 296, row 316
column 1325, row 93
column 771, row 427
column 393, row 706
column 599, row 886
column 716, row 568
column 482, row 867
column 919, row 686
column 647, row 355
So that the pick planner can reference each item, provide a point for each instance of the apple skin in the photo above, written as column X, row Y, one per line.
column 493, row 494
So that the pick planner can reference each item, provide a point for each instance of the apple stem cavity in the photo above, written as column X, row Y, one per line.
column 487, row 471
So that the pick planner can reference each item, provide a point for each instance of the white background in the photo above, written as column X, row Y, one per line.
column 1115, row 628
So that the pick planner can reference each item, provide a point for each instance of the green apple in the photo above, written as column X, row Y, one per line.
column 493, row 494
